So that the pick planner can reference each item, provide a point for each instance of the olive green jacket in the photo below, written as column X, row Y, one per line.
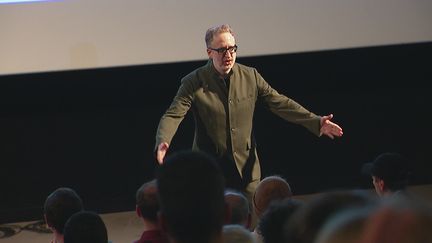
column 224, row 116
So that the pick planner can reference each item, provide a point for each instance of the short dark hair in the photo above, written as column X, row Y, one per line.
column 60, row 205
column 271, row 224
column 191, row 195
column 147, row 200
column 85, row 227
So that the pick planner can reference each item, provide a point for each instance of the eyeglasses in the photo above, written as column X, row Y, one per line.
column 224, row 50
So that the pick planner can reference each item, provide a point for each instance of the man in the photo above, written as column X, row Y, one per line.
column 239, row 208
column 191, row 195
column 85, row 227
column 147, row 207
column 389, row 172
column 222, row 95
column 59, row 206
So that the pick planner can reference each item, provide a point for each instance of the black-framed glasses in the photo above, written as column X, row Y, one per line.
column 224, row 50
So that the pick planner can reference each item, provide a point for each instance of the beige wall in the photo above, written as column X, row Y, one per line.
column 72, row 34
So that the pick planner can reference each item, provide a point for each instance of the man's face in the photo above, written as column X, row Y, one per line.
column 223, row 61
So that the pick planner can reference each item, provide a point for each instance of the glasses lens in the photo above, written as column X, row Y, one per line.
column 223, row 50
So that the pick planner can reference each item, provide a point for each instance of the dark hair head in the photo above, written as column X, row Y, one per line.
column 60, row 205
column 272, row 221
column 191, row 193
column 147, row 200
column 85, row 227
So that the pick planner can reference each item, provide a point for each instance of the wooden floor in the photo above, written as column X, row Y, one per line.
column 125, row 227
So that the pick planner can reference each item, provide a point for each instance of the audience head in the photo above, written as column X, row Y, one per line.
column 305, row 223
column 404, row 222
column 234, row 233
column 147, row 203
column 270, row 226
column 191, row 193
column 85, row 227
column 345, row 226
column 59, row 206
column 389, row 172
column 239, row 208
column 271, row 188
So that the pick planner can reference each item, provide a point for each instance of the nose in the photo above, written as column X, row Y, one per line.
column 228, row 53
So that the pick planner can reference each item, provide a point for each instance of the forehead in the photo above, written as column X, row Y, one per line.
column 223, row 39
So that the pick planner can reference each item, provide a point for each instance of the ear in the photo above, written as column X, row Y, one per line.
column 162, row 222
column 249, row 222
column 138, row 211
column 47, row 223
column 209, row 53
column 227, row 213
column 381, row 184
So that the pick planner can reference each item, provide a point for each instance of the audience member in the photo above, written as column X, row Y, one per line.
column 389, row 172
column 270, row 226
column 147, row 207
column 235, row 233
column 345, row 226
column 239, row 208
column 271, row 188
column 305, row 223
column 85, row 227
column 58, row 207
column 191, row 193
column 405, row 221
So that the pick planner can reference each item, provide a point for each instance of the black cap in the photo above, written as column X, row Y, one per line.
column 390, row 167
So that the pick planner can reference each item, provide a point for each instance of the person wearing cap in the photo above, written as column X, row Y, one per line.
column 389, row 172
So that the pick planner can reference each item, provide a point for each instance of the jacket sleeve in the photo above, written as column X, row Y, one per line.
column 180, row 105
column 285, row 107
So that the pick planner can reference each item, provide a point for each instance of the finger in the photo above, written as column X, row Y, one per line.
column 160, row 157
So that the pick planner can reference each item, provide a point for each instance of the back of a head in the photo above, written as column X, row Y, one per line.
column 273, row 219
column 60, row 205
column 147, row 200
column 399, row 222
column 345, row 226
column 271, row 188
column 191, row 193
column 234, row 233
column 239, row 206
column 305, row 223
column 85, row 227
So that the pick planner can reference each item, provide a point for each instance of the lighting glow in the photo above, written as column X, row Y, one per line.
column 21, row 1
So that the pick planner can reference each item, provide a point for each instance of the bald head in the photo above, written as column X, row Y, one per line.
column 271, row 188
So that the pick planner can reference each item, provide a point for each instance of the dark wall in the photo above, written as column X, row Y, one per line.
column 93, row 130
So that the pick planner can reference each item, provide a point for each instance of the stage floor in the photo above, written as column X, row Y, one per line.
column 127, row 227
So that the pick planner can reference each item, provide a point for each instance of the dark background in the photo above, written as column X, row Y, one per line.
column 93, row 130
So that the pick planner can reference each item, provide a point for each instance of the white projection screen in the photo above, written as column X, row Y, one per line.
column 81, row 34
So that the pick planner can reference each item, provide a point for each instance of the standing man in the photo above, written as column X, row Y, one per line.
column 222, row 95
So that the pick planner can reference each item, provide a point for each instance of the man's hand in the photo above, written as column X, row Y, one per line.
column 161, row 152
column 329, row 128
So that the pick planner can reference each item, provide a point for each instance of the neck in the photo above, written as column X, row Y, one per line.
column 149, row 225
column 58, row 238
